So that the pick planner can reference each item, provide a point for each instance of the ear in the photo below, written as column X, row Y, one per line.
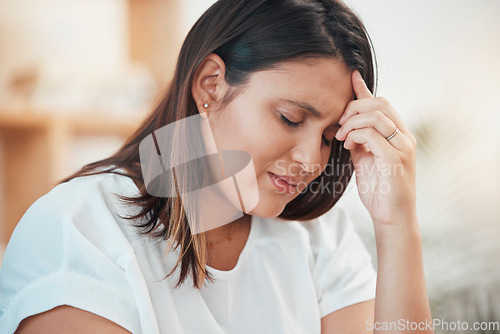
column 208, row 85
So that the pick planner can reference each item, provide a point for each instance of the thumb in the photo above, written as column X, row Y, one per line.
column 359, row 86
column 359, row 151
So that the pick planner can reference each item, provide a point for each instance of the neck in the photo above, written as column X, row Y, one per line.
column 221, row 231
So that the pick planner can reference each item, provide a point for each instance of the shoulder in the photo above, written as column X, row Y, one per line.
column 82, row 218
column 94, row 190
column 88, row 204
column 68, row 319
column 71, row 248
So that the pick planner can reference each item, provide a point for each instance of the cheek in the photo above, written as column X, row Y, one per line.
column 248, row 128
column 254, row 129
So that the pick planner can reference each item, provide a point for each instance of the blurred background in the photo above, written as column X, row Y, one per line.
column 77, row 76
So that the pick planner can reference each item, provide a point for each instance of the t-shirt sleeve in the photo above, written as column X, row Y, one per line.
column 63, row 253
column 342, row 269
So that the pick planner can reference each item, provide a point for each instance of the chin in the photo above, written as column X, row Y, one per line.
column 271, row 209
column 271, row 204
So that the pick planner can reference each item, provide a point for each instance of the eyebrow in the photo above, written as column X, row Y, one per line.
column 309, row 108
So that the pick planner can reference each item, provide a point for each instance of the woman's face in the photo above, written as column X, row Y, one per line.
column 259, row 121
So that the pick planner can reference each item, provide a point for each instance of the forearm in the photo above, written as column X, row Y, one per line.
column 401, row 296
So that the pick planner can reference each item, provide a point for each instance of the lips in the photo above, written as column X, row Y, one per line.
column 290, row 180
column 282, row 186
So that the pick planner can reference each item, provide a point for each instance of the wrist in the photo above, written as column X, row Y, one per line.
column 397, row 221
column 398, row 231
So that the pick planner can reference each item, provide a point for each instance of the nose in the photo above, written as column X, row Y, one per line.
column 308, row 154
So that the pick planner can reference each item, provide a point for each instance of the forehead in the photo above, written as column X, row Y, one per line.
column 324, row 83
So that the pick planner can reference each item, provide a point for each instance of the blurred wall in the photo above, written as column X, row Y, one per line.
column 54, row 38
column 63, row 59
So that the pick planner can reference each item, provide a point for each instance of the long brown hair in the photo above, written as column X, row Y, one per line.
column 249, row 36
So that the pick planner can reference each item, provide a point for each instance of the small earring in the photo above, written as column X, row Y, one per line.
column 205, row 105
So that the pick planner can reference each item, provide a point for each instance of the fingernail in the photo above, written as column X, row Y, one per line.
column 342, row 119
column 358, row 75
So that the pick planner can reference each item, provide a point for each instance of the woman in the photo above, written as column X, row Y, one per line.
column 287, row 85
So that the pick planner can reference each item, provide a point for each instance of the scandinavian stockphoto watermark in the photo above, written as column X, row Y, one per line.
column 435, row 324
column 377, row 176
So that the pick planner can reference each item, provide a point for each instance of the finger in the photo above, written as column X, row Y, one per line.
column 367, row 105
column 373, row 119
column 377, row 144
column 359, row 86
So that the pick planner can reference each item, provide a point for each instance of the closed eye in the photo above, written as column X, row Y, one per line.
column 289, row 122
column 294, row 125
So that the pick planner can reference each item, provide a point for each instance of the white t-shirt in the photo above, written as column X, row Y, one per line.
column 71, row 247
